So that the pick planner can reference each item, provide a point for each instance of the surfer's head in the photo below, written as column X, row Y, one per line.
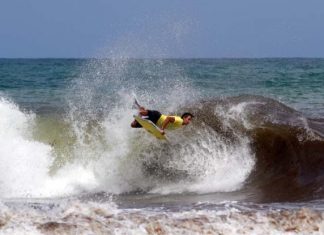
column 187, row 117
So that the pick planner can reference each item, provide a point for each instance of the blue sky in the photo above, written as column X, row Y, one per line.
column 165, row 28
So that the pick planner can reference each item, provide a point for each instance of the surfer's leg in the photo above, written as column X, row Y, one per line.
column 143, row 111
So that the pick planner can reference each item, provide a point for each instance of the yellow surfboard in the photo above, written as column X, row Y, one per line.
column 150, row 127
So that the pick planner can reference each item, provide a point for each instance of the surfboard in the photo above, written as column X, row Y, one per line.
column 150, row 127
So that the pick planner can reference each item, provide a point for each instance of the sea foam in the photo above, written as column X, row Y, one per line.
column 25, row 162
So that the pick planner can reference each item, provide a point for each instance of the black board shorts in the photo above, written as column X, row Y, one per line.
column 152, row 115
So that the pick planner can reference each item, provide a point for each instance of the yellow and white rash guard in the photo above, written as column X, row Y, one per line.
column 172, row 125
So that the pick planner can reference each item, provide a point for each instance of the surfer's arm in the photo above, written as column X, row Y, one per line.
column 166, row 122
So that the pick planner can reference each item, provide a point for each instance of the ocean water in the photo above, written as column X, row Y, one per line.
column 251, row 162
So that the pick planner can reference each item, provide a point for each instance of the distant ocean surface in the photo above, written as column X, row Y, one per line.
column 251, row 162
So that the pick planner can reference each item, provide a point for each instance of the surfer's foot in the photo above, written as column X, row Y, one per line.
column 135, row 124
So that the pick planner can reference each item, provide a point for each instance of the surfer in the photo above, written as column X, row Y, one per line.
column 163, row 121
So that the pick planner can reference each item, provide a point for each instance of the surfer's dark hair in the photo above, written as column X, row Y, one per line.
column 186, row 115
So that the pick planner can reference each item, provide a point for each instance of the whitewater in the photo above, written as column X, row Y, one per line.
column 251, row 162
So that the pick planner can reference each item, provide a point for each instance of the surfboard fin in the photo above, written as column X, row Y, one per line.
column 136, row 103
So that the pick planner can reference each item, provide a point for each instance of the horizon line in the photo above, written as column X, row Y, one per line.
column 160, row 58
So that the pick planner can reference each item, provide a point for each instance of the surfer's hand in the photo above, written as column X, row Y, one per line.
column 162, row 132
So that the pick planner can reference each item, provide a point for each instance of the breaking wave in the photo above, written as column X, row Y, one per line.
column 248, row 144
